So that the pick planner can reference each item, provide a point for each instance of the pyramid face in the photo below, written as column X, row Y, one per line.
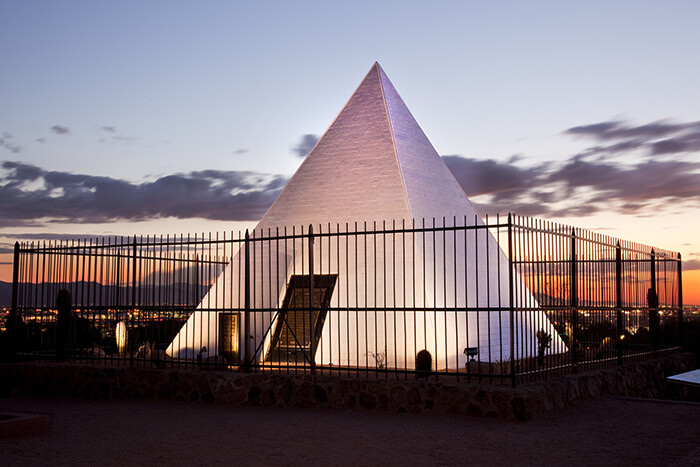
column 430, row 187
column 374, row 163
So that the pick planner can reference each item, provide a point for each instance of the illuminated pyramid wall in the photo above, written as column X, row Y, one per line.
column 374, row 163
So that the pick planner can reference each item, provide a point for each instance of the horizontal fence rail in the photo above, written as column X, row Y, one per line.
column 505, row 300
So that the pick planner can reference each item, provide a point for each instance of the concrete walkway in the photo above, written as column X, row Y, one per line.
column 603, row 431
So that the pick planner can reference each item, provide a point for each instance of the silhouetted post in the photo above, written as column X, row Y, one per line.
column 510, row 300
column 13, row 321
column 618, row 299
column 64, row 305
column 15, row 281
column 312, row 347
column 117, row 288
column 653, row 304
column 246, row 302
column 680, row 300
column 574, row 304
column 133, row 290
column 424, row 364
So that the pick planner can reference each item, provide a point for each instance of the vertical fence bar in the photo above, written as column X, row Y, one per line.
column 246, row 293
column 312, row 334
column 680, row 301
column 15, row 281
column 14, row 312
column 511, row 306
column 618, row 300
column 574, row 304
column 133, row 290
column 653, row 303
column 120, row 314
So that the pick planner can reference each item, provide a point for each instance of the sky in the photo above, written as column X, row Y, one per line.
column 155, row 117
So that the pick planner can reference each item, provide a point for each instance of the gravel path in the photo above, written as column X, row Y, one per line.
column 604, row 431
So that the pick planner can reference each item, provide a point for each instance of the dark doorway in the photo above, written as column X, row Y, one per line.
column 300, row 320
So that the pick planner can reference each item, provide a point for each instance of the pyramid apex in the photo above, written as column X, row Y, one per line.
column 373, row 162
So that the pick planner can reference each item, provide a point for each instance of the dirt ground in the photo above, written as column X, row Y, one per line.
column 603, row 431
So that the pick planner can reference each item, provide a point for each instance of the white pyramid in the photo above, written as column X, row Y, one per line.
column 375, row 164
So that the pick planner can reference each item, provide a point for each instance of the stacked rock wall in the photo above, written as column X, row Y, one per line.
column 646, row 379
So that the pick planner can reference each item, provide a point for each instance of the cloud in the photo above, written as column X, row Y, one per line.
column 691, row 265
column 620, row 130
column 610, row 176
column 117, row 139
column 51, row 236
column 113, row 136
column 60, row 130
column 577, row 187
column 658, row 138
column 240, row 151
column 488, row 176
column 28, row 193
column 644, row 181
column 124, row 139
column 8, row 145
column 307, row 143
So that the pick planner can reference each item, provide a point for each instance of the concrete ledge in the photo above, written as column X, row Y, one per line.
column 645, row 379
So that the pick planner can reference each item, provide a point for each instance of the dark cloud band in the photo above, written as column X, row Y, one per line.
column 658, row 138
column 578, row 186
column 67, row 197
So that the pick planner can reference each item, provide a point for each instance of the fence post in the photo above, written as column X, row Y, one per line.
column 246, row 293
column 312, row 349
column 65, row 332
column 133, row 275
column 13, row 320
column 15, row 282
column 120, row 312
column 680, row 301
column 133, row 293
column 653, row 303
column 511, row 306
column 618, row 299
column 574, row 304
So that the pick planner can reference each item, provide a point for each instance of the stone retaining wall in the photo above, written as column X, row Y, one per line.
column 644, row 379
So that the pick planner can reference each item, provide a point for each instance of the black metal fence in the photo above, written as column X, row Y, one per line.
column 505, row 300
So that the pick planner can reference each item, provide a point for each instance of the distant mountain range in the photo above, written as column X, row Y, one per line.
column 182, row 290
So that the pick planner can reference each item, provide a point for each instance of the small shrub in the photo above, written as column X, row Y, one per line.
column 544, row 340
column 379, row 359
